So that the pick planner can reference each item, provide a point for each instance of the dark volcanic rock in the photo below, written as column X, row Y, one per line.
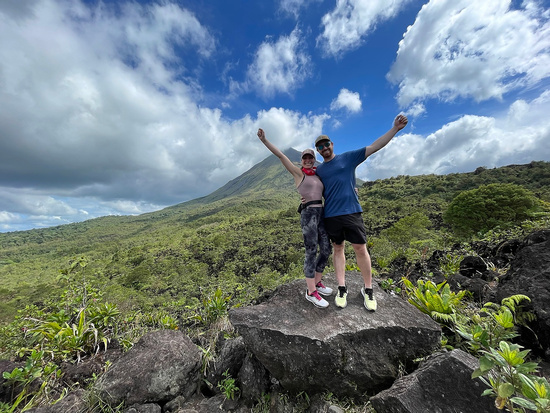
column 346, row 351
column 441, row 384
column 529, row 274
column 162, row 365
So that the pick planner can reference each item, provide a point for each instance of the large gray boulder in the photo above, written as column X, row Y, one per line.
column 529, row 274
column 162, row 365
column 441, row 384
column 346, row 351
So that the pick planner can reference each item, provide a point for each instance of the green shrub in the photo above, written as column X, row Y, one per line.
column 490, row 206
column 214, row 307
column 493, row 323
column 408, row 230
column 512, row 380
column 450, row 264
column 20, row 379
column 227, row 386
column 390, row 286
column 438, row 301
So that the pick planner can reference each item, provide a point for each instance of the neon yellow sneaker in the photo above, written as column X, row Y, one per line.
column 341, row 299
column 369, row 300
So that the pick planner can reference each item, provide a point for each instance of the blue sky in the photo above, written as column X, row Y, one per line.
column 125, row 107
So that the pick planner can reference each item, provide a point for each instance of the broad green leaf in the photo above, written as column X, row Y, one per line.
column 527, row 404
column 505, row 390
column 485, row 364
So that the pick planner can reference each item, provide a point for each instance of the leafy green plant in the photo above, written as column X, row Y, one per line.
column 214, row 307
column 227, row 386
column 503, row 366
column 104, row 315
column 450, row 264
column 493, row 323
column 66, row 340
column 512, row 380
column 352, row 267
column 438, row 301
column 263, row 405
column 21, row 378
column 162, row 320
column 207, row 359
column 130, row 327
column 390, row 286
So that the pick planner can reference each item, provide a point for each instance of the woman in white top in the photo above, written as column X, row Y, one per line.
column 317, row 244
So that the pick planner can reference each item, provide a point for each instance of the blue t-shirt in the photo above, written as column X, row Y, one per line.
column 338, row 176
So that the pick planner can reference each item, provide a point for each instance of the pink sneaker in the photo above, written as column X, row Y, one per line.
column 321, row 289
column 316, row 299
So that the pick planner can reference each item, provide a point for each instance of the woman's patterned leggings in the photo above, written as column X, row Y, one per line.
column 315, row 235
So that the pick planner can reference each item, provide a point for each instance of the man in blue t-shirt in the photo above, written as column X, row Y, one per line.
column 343, row 219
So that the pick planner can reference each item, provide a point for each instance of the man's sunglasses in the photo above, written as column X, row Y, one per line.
column 322, row 146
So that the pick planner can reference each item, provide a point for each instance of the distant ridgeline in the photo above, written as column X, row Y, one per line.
column 269, row 180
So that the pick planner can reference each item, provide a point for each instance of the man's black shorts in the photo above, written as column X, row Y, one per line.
column 346, row 227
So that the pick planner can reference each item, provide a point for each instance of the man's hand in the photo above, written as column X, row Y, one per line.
column 400, row 122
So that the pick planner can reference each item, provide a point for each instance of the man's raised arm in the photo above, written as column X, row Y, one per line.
column 399, row 123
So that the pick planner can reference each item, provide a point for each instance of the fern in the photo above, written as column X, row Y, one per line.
column 438, row 301
column 493, row 323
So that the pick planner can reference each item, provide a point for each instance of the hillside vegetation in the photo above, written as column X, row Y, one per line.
column 69, row 291
column 244, row 238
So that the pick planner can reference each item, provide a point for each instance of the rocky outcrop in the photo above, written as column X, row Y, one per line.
column 161, row 366
column 529, row 274
column 441, row 384
column 346, row 351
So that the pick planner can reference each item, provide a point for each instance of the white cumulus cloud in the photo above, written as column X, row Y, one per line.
column 101, row 116
column 347, row 100
column 467, row 48
column 518, row 136
column 351, row 21
column 279, row 66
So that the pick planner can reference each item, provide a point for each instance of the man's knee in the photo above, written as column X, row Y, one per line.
column 360, row 249
column 338, row 247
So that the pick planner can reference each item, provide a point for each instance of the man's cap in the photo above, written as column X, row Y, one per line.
column 321, row 138
column 308, row 152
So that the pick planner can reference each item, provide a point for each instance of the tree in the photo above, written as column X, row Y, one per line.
column 407, row 230
column 489, row 206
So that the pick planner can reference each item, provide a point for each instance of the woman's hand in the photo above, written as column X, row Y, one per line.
column 261, row 134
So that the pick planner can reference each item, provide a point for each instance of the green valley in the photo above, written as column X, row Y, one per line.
column 243, row 238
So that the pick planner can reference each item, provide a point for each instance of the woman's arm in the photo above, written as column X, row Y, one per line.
column 293, row 169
